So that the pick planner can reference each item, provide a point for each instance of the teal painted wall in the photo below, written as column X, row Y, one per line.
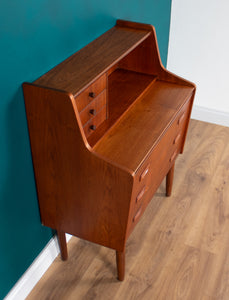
column 34, row 37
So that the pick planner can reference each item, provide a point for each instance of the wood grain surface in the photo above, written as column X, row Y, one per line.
column 89, row 187
column 73, row 198
column 178, row 250
column 86, row 65
column 159, row 106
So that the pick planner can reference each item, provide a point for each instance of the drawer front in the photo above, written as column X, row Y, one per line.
column 94, row 122
column 170, row 142
column 90, row 93
column 93, row 108
column 154, row 169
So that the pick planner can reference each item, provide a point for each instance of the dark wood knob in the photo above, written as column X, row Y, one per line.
column 92, row 112
column 92, row 95
column 93, row 127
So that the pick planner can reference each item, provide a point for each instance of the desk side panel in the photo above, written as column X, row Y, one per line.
column 78, row 192
column 146, row 57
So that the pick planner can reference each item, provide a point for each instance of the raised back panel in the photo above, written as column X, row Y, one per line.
column 144, row 58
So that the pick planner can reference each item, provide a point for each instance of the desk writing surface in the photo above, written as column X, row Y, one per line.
column 138, row 131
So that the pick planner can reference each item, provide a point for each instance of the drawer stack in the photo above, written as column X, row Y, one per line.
column 141, row 191
column 157, row 165
column 92, row 105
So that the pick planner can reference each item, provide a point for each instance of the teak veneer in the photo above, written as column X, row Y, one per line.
column 106, row 126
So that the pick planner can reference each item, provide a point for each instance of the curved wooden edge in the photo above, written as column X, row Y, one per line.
column 60, row 107
column 134, row 25
column 164, row 74
column 84, row 139
column 89, row 148
column 24, row 84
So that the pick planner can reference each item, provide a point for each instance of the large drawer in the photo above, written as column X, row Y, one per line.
column 155, row 167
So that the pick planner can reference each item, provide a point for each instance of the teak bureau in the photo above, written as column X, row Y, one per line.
column 106, row 126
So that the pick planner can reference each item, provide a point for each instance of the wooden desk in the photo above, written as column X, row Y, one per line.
column 106, row 126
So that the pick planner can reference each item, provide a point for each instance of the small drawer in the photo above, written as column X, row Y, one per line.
column 93, row 108
column 141, row 194
column 90, row 93
column 94, row 123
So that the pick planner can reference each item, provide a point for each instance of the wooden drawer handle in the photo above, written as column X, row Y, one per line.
column 92, row 95
column 140, row 195
column 92, row 112
column 176, row 139
column 181, row 118
column 138, row 214
column 93, row 127
column 173, row 156
column 144, row 173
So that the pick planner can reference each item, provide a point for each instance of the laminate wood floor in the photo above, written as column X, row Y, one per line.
column 180, row 248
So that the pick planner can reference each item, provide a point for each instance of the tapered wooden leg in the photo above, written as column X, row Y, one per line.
column 62, row 244
column 169, row 181
column 120, row 261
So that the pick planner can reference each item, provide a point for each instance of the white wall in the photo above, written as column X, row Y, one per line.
column 199, row 51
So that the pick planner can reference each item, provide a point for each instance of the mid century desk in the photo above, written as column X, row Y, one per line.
column 106, row 126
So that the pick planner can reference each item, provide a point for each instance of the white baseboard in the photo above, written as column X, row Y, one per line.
column 34, row 273
column 210, row 115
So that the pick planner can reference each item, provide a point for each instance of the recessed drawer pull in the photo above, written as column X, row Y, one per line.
column 92, row 95
column 144, row 173
column 181, row 118
column 92, row 112
column 177, row 138
column 138, row 214
column 140, row 195
column 173, row 156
